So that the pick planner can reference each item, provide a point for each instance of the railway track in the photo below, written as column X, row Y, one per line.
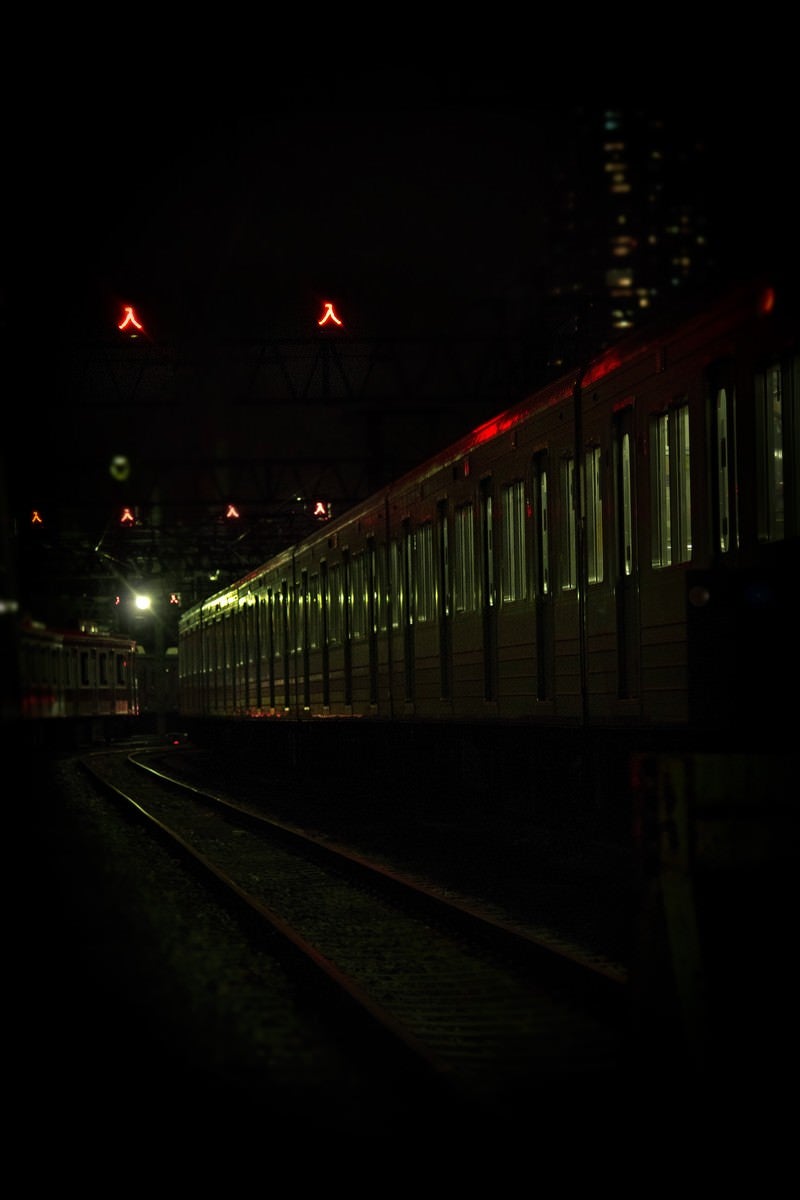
column 479, row 1011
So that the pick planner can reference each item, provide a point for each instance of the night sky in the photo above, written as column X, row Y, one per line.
column 414, row 201
column 419, row 211
column 410, row 218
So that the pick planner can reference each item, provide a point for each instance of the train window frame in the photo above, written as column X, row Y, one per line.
column 463, row 574
column 770, row 464
column 409, row 578
column 513, row 556
column 298, row 612
column 670, row 486
column 488, row 598
column 723, row 420
column 593, row 475
column 542, row 526
column 314, row 611
column 624, row 491
column 396, row 590
column 425, row 574
column 70, row 667
column 359, row 603
column 335, row 605
column 381, row 588
column 269, row 642
column 279, row 611
column 569, row 543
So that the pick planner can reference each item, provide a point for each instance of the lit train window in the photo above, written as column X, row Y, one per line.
column 542, row 525
column 625, row 503
column 426, row 597
column 683, row 515
column 409, row 581
column 395, row 584
column 278, row 622
column 269, row 621
column 314, row 613
column 513, row 566
column 372, row 560
column 769, row 464
column 285, row 596
column 252, row 635
column 358, row 583
column 408, row 564
column 594, row 516
column 443, row 533
column 299, row 615
column 671, row 516
column 464, row 567
column 723, row 481
column 335, row 604
column 380, row 589
column 661, row 523
column 569, row 557
column 488, row 596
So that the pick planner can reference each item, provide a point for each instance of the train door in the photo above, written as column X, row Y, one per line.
column 443, row 588
column 488, row 593
column 777, row 397
column 545, row 660
column 722, row 445
column 627, row 612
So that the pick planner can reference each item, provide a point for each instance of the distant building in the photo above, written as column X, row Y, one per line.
column 627, row 227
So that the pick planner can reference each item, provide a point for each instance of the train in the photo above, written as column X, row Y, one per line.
column 613, row 555
column 66, row 687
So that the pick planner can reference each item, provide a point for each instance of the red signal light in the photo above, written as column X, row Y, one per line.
column 329, row 315
column 130, row 321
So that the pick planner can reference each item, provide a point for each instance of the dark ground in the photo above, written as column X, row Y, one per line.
column 109, row 986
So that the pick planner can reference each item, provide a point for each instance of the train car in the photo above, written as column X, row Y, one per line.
column 614, row 553
column 72, row 686
column 157, row 686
